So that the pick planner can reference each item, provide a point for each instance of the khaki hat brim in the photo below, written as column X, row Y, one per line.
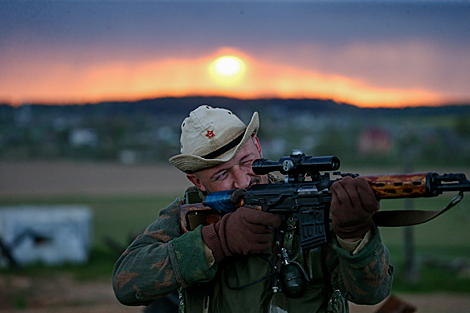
column 189, row 163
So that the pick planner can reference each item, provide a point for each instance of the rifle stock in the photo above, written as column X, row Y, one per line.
column 195, row 214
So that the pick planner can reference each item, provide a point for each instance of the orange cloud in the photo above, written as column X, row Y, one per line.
column 60, row 82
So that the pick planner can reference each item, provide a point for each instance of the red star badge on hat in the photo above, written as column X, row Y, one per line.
column 210, row 134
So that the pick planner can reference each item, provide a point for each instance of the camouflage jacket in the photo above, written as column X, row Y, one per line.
column 162, row 260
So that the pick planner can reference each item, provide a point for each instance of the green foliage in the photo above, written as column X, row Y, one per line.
column 19, row 301
column 462, row 126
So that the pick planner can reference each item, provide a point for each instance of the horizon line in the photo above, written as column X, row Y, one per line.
column 118, row 101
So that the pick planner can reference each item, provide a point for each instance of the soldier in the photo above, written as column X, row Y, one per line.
column 233, row 265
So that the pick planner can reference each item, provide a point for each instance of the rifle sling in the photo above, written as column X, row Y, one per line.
column 411, row 217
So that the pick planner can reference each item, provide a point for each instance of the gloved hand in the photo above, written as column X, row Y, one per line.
column 245, row 231
column 352, row 207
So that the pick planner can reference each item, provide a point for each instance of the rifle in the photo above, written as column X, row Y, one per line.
column 308, row 201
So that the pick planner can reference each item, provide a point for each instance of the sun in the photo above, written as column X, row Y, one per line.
column 228, row 66
column 227, row 70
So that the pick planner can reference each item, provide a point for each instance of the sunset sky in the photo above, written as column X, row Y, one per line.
column 377, row 53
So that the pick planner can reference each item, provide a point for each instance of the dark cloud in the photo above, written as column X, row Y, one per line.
column 202, row 25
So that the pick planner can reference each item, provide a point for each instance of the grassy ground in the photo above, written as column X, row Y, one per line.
column 441, row 248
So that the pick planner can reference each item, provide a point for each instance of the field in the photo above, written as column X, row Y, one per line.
column 125, row 199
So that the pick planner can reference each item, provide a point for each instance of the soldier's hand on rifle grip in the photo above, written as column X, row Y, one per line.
column 245, row 231
column 352, row 206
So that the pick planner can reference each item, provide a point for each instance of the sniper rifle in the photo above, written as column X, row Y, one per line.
column 308, row 201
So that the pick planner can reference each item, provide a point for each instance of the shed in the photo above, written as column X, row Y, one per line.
column 48, row 234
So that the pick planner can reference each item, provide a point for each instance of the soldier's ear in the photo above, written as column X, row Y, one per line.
column 196, row 181
column 257, row 145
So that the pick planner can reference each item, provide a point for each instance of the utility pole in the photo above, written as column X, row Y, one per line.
column 411, row 264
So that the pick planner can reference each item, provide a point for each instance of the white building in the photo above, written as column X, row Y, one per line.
column 45, row 234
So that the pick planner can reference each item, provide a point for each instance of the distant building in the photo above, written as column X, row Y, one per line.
column 375, row 141
column 128, row 157
column 50, row 235
column 83, row 137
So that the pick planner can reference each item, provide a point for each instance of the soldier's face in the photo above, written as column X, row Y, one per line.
column 234, row 174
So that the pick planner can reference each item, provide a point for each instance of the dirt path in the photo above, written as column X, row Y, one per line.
column 47, row 178
column 61, row 294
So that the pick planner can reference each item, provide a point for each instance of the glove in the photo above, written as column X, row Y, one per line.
column 352, row 207
column 245, row 231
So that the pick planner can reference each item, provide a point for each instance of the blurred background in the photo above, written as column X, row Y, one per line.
column 93, row 93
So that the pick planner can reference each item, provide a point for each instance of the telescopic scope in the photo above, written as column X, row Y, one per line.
column 295, row 164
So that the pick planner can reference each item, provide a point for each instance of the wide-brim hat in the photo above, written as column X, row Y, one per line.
column 211, row 136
